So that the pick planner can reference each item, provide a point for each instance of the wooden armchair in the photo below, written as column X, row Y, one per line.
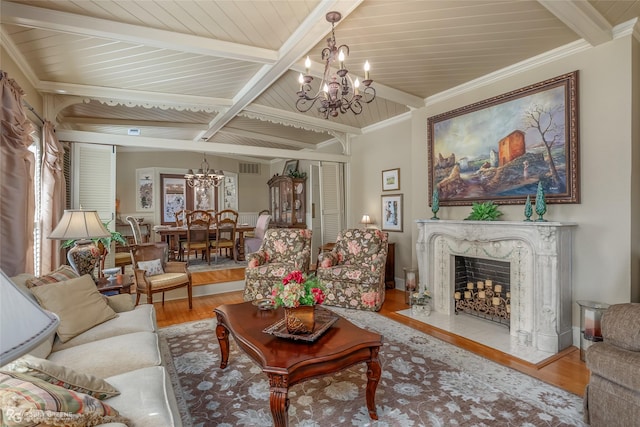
column 153, row 273
column 283, row 250
column 353, row 271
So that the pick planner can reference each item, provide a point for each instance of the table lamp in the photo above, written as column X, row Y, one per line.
column 366, row 220
column 23, row 323
column 82, row 226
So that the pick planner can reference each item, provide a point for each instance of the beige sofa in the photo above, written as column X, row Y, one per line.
column 124, row 351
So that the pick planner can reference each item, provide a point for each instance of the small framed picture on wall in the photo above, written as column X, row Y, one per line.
column 392, row 212
column 391, row 179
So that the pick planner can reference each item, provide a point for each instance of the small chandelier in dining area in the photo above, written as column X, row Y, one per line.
column 337, row 93
column 204, row 177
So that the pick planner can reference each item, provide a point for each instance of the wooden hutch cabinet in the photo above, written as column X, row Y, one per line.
column 287, row 200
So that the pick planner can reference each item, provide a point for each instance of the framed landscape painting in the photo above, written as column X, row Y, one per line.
column 500, row 148
column 391, row 180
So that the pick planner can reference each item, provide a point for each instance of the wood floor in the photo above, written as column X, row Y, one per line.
column 565, row 370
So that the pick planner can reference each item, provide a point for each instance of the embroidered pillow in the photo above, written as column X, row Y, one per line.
column 77, row 303
column 63, row 273
column 27, row 401
column 62, row 376
column 152, row 268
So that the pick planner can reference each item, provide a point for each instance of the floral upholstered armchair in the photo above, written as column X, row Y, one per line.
column 353, row 271
column 283, row 250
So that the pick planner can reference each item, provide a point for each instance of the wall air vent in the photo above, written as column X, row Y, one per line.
column 249, row 168
column 133, row 131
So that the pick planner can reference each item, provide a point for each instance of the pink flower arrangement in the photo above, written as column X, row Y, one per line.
column 298, row 289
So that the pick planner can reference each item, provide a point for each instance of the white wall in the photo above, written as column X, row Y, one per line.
column 383, row 149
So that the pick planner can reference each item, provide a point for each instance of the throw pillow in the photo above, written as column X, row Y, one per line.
column 63, row 272
column 152, row 268
column 27, row 401
column 120, row 302
column 77, row 303
column 62, row 376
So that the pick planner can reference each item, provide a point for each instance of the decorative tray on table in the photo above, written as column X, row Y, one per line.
column 324, row 320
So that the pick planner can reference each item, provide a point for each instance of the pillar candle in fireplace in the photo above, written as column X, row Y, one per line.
column 456, row 295
column 488, row 283
column 508, row 294
column 467, row 295
column 508, row 308
column 480, row 285
column 496, row 301
column 481, row 295
column 469, row 285
column 498, row 289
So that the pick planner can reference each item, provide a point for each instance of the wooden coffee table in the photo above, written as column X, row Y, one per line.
column 287, row 362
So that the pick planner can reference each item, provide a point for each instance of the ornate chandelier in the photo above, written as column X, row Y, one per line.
column 204, row 177
column 337, row 93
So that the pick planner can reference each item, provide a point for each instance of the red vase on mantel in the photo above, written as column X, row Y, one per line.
column 300, row 320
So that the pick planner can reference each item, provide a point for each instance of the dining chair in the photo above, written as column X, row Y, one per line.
column 135, row 229
column 252, row 243
column 154, row 274
column 180, row 222
column 225, row 237
column 198, row 223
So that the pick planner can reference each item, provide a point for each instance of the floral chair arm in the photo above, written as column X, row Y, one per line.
column 256, row 259
column 328, row 259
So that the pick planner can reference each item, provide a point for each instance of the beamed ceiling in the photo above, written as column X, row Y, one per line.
column 221, row 76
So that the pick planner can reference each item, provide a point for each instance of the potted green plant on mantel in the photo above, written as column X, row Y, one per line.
column 485, row 211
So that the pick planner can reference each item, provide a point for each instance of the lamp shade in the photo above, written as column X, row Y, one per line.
column 366, row 220
column 23, row 323
column 78, row 224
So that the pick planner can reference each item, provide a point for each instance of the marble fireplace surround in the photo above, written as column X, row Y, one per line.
column 540, row 259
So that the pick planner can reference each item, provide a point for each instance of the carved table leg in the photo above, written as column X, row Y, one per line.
column 223, row 340
column 373, row 377
column 278, row 399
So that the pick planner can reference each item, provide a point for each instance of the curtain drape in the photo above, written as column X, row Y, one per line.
column 53, row 196
column 17, row 201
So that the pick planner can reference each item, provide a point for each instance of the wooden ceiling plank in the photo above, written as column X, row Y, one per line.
column 13, row 13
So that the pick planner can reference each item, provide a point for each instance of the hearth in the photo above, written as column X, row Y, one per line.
column 539, row 256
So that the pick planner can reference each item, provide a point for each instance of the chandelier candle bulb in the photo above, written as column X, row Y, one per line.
column 366, row 70
column 341, row 59
column 307, row 65
column 301, row 81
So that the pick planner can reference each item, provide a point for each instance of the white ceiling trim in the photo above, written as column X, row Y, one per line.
column 627, row 28
column 134, row 123
column 582, row 18
column 187, row 145
column 297, row 120
column 528, row 64
column 30, row 16
column 305, row 37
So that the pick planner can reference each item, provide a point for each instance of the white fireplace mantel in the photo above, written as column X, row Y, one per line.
column 540, row 259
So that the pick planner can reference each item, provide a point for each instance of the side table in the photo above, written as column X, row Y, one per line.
column 121, row 284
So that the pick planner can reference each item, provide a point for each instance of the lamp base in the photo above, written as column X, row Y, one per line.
column 83, row 257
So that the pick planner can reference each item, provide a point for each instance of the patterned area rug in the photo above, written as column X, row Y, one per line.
column 425, row 382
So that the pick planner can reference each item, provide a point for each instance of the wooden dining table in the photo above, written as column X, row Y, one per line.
column 172, row 236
